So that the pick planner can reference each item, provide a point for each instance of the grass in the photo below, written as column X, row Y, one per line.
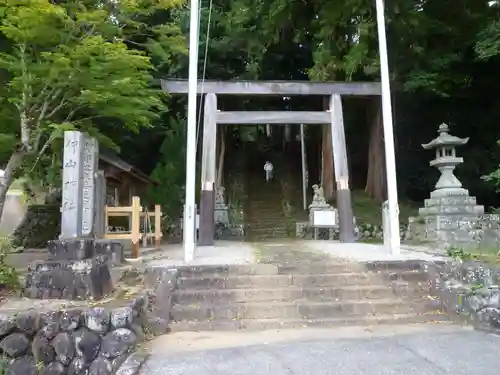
column 366, row 210
column 489, row 256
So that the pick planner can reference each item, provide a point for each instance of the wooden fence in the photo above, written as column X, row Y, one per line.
column 136, row 214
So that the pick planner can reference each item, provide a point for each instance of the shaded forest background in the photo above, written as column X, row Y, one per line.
column 444, row 62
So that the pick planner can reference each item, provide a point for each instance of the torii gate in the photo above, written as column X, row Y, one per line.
column 333, row 116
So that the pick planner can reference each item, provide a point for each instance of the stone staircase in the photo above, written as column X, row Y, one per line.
column 264, row 212
column 315, row 291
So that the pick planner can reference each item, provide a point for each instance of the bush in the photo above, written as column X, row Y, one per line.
column 42, row 223
column 9, row 277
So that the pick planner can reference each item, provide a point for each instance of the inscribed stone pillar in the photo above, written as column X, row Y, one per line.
column 344, row 204
column 208, row 172
column 77, row 267
column 71, row 207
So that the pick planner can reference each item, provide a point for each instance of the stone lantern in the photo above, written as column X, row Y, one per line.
column 450, row 215
column 449, row 197
column 446, row 161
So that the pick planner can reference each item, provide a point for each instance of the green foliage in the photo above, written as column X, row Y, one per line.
column 41, row 223
column 4, row 363
column 493, row 178
column 74, row 65
column 459, row 253
column 9, row 277
column 170, row 171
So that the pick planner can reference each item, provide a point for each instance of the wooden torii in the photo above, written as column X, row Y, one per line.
column 333, row 116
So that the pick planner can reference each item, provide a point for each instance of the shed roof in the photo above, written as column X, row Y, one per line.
column 110, row 158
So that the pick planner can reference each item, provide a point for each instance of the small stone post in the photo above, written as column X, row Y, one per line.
column 385, row 223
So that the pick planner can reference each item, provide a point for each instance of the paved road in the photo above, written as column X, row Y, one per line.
column 430, row 351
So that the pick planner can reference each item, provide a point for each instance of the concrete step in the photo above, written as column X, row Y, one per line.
column 267, row 231
column 300, row 309
column 266, row 235
column 273, row 204
column 265, row 324
column 269, row 224
column 262, row 220
column 259, row 217
column 266, row 226
column 326, row 267
column 263, row 213
column 299, row 280
column 314, row 294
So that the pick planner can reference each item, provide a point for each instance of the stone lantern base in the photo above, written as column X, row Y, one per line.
column 447, row 221
column 451, row 205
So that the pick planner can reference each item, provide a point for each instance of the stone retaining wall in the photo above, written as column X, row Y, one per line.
column 468, row 291
column 77, row 341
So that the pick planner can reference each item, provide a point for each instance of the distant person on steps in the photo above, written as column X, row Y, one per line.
column 268, row 168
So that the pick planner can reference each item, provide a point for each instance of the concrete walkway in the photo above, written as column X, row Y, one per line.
column 234, row 253
column 425, row 349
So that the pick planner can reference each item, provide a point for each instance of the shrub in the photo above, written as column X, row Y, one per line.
column 9, row 277
column 41, row 223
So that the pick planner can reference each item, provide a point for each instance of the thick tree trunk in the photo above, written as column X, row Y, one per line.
column 327, row 167
column 14, row 162
column 376, row 186
column 222, row 154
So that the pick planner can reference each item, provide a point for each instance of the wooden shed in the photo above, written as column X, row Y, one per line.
column 123, row 180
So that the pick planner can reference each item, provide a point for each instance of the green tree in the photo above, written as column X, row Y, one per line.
column 170, row 171
column 69, row 65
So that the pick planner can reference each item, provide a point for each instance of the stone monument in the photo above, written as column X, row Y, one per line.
column 319, row 200
column 77, row 266
column 450, row 213
column 322, row 216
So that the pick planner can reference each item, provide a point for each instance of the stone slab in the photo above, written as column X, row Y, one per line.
column 71, row 249
column 69, row 279
column 450, row 201
column 113, row 249
column 452, row 210
column 86, row 248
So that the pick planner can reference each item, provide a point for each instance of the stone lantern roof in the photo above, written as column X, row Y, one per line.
column 445, row 139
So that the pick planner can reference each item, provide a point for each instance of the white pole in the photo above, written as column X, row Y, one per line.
column 190, row 204
column 390, row 158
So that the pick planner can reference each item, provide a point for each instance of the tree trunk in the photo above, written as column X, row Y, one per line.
column 327, row 167
column 14, row 162
column 376, row 184
column 222, row 154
